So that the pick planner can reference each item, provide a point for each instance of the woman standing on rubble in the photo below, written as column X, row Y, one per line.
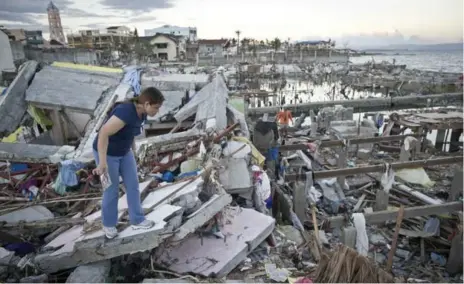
column 114, row 157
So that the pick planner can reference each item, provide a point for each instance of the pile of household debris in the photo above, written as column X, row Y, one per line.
column 51, row 201
column 214, row 204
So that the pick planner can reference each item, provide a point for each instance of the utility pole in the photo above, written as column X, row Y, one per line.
column 238, row 41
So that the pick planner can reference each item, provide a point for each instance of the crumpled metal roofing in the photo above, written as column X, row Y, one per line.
column 74, row 89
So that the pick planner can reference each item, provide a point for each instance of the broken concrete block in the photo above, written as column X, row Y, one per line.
column 193, row 221
column 348, row 237
column 97, row 272
column 364, row 154
column 292, row 234
column 29, row 214
column 183, row 197
column 236, row 177
column 213, row 257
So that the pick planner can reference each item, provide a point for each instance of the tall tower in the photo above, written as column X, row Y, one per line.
column 54, row 23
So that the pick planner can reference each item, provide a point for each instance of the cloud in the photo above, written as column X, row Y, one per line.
column 17, row 17
column 73, row 12
column 31, row 6
column 139, row 19
column 138, row 5
column 26, row 12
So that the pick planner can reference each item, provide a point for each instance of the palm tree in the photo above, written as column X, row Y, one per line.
column 276, row 44
column 238, row 32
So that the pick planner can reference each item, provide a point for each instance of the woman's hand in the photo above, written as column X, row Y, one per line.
column 101, row 169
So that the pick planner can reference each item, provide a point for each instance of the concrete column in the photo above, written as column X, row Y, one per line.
column 301, row 55
column 315, row 54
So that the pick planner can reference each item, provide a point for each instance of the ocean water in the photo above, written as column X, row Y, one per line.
column 444, row 61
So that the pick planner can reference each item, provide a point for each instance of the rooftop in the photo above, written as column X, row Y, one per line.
column 62, row 87
column 212, row 41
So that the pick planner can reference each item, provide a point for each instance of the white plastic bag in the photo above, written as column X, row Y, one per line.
column 388, row 178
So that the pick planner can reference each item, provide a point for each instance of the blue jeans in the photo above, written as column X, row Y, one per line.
column 127, row 168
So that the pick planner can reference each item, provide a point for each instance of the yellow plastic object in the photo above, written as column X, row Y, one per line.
column 39, row 116
column 257, row 156
column 13, row 137
column 87, row 67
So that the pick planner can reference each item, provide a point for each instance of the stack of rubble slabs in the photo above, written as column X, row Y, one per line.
column 195, row 200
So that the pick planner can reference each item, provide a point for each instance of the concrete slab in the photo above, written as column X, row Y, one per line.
column 214, row 257
column 97, row 272
column 76, row 252
column 29, row 214
column 158, row 195
column 66, row 241
column 33, row 153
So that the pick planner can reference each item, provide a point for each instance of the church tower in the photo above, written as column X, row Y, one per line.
column 54, row 23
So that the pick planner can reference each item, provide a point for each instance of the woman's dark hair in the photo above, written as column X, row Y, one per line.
column 150, row 95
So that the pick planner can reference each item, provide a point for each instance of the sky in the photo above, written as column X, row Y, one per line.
column 348, row 22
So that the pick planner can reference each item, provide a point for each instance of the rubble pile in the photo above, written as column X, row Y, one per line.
column 333, row 204
column 185, row 185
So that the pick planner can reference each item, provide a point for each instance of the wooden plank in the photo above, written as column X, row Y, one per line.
column 360, row 201
column 410, row 212
column 391, row 253
column 378, row 168
column 355, row 141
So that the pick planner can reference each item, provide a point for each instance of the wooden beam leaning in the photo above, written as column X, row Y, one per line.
column 378, row 168
column 409, row 212
column 335, row 143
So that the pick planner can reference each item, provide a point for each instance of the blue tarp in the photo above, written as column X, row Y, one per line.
column 132, row 77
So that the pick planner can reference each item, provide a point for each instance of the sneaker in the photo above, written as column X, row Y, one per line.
column 145, row 224
column 110, row 232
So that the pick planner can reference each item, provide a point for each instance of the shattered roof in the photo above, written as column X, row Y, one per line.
column 209, row 103
column 80, row 90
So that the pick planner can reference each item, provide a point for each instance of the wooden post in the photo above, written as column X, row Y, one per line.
column 456, row 185
column 455, row 260
column 440, row 140
column 381, row 200
column 341, row 162
column 392, row 251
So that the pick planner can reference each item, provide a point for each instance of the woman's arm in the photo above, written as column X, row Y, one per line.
column 113, row 125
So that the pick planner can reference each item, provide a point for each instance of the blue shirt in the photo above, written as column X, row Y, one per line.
column 121, row 142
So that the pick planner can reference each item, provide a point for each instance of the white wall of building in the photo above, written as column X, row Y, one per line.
column 171, row 48
column 6, row 55
column 122, row 30
column 187, row 32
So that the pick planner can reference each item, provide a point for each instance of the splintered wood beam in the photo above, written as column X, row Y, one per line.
column 377, row 168
column 409, row 212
